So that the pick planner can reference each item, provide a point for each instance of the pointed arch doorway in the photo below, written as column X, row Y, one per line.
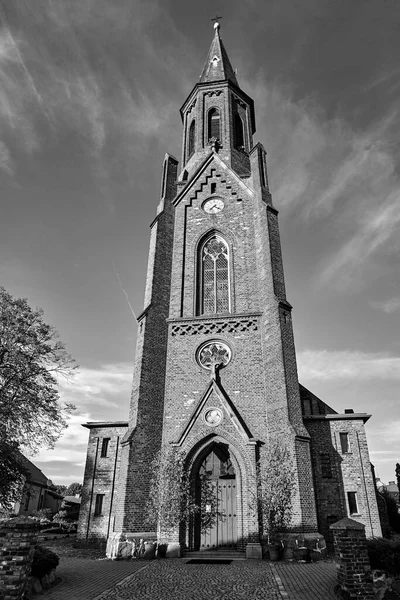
column 215, row 526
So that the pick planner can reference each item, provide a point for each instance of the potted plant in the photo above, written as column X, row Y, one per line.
column 273, row 499
column 300, row 551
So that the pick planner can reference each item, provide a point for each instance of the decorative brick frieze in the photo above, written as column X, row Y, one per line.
column 215, row 326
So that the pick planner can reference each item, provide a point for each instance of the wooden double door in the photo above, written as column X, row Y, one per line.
column 216, row 524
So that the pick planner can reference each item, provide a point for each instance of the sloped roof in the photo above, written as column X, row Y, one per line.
column 217, row 66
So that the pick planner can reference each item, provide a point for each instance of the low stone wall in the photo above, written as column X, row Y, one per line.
column 354, row 570
column 18, row 538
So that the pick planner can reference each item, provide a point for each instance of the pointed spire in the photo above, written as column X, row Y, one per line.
column 217, row 66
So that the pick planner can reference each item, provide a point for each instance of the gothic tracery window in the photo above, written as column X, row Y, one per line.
column 214, row 124
column 191, row 138
column 214, row 273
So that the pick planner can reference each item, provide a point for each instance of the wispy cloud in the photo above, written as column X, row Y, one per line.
column 57, row 76
column 345, row 365
column 94, row 390
column 97, row 393
column 388, row 306
column 325, row 172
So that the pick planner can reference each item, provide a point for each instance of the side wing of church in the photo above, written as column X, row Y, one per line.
column 215, row 372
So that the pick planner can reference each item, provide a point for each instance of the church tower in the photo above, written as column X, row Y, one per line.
column 215, row 373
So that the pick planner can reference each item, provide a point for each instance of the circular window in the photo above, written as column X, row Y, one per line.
column 213, row 417
column 213, row 354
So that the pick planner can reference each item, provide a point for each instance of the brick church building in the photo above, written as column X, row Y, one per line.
column 215, row 371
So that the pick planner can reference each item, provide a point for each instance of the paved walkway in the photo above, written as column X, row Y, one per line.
column 307, row 581
column 174, row 579
column 84, row 579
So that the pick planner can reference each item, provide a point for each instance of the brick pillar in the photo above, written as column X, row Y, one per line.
column 18, row 537
column 354, row 570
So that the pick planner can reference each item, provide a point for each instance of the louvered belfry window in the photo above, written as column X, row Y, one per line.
column 215, row 276
column 238, row 132
column 214, row 124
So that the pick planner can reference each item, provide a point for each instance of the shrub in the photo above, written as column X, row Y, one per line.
column 384, row 555
column 44, row 561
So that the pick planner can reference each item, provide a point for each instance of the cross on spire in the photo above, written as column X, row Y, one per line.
column 216, row 24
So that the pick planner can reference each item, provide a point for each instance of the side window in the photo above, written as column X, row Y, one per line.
column 192, row 136
column 344, row 442
column 238, row 132
column 98, row 508
column 326, row 466
column 104, row 447
column 352, row 500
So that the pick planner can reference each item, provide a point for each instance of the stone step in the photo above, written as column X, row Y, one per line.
column 222, row 554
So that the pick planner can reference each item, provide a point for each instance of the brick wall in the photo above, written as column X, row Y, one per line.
column 354, row 571
column 101, row 477
column 143, row 439
column 18, row 537
column 350, row 472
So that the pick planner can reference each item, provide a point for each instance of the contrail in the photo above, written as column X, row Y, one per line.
column 25, row 69
column 124, row 291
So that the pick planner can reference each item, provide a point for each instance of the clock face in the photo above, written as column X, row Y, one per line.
column 213, row 206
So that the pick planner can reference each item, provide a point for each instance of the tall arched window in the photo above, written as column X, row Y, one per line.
column 214, row 124
column 192, row 133
column 238, row 131
column 214, row 276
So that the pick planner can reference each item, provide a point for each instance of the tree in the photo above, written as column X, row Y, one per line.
column 275, row 484
column 170, row 500
column 74, row 489
column 32, row 358
column 61, row 489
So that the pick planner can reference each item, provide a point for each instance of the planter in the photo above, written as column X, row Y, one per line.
column 162, row 550
column 300, row 554
column 149, row 551
column 275, row 551
column 316, row 555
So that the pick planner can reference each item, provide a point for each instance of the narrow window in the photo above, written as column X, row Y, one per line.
column 261, row 167
column 344, row 442
column 213, row 188
column 163, row 179
column 191, row 138
column 352, row 500
column 326, row 467
column 27, row 500
column 238, row 132
column 104, row 447
column 41, row 499
column 214, row 268
column 214, row 124
column 98, row 508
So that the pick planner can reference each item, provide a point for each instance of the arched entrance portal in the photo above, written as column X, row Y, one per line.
column 215, row 526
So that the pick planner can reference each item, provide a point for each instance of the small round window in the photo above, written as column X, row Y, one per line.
column 213, row 353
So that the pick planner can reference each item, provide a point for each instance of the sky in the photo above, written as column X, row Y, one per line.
column 90, row 92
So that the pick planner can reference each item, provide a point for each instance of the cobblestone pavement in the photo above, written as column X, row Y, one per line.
column 174, row 579
column 84, row 579
column 303, row 581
